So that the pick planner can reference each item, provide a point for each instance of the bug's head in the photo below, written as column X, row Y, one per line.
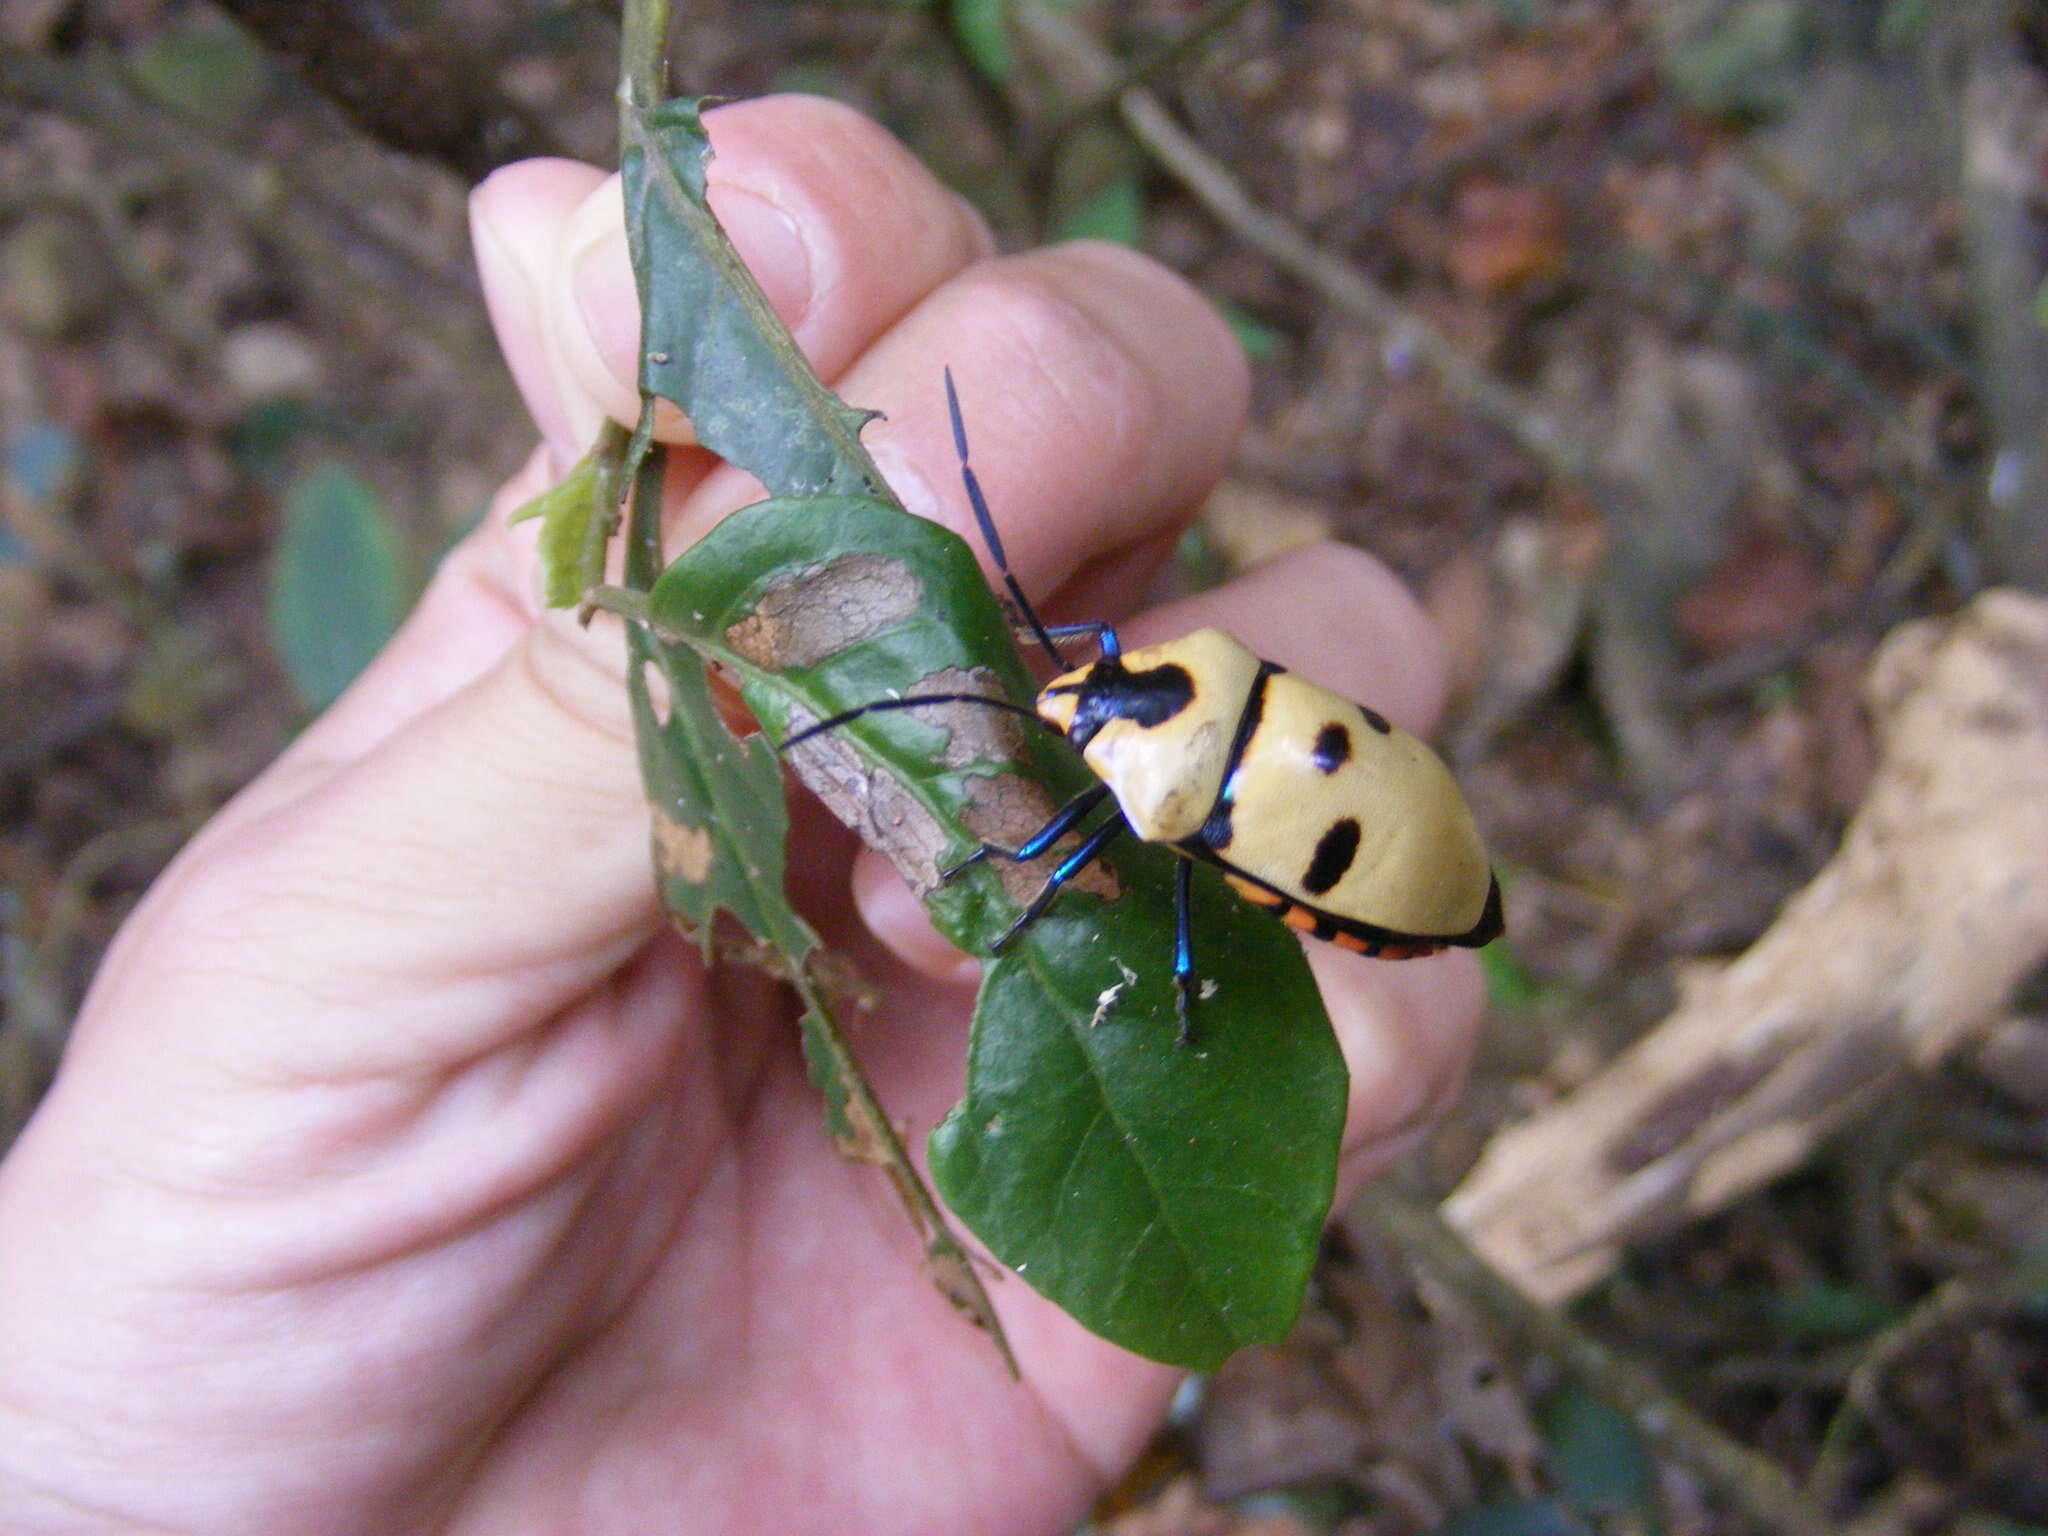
column 1077, row 704
column 1147, row 694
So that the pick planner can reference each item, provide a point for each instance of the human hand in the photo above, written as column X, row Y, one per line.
column 404, row 1173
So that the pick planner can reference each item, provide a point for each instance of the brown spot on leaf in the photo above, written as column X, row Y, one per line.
column 885, row 815
column 682, row 850
column 974, row 734
column 808, row 614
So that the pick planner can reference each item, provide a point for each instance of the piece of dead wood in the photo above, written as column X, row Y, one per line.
column 1908, row 944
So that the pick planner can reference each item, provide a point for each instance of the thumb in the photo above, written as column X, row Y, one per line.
column 481, row 865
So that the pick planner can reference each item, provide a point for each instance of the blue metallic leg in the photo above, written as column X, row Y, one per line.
column 1183, row 953
column 1068, row 867
column 1063, row 822
column 1102, row 634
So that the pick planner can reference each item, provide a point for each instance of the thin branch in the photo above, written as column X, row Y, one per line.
column 1750, row 1482
column 862, row 1127
column 1963, row 1302
column 1215, row 18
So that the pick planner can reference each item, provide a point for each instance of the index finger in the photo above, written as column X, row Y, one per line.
column 1103, row 396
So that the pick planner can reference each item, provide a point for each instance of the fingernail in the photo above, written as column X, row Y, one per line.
column 767, row 239
column 601, row 278
column 771, row 245
column 511, row 294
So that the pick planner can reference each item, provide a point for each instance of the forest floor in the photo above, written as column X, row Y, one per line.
column 1678, row 353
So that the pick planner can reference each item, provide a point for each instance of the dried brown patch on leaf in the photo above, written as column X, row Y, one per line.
column 809, row 614
column 681, row 850
column 874, row 803
column 951, row 1271
column 974, row 735
column 860, row 1135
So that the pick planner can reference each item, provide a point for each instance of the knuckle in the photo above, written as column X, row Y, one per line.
column 1073, row 373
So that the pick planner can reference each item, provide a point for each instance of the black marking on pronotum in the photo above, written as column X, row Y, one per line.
column 1334, row 852
column 1156, row 694
column 1216, row 830
column 1146, row 698
column 1333, row 748
column 1376, row 720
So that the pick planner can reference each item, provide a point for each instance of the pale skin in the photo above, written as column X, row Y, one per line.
column 404, row 1175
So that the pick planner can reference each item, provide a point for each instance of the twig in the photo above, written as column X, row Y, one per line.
column 1184, row 44
column 1955, row 1304
column 1750, row 1482
column 1424, row 178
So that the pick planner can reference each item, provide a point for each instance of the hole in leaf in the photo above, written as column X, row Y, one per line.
column 656, row 684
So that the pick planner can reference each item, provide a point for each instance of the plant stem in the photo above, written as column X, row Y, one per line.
column 643, row 61
column 855, row 1115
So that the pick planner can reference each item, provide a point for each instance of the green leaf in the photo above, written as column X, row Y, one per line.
column 1171, row 1199
column 1114, row 212
column 1260, row 341
column 1823, row 1309
column 336, row 583
column 1739, row 61
column 1602, row 1464
column 571, row 560
column 983, row 28
column 203, row 65
column 1521, row 15
column 1509, row 986
column 1900, row 26
column 711, row 337
column 720, row 824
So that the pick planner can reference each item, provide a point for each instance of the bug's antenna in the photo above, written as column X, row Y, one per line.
column 988, row 530
column 912, row 701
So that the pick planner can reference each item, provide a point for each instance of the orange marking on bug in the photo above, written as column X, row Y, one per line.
column 1409, row 951
column 1354, row 943
column 1255, row 893
column 1300, row 918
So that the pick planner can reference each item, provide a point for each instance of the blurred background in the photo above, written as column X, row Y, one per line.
column 1678, row 352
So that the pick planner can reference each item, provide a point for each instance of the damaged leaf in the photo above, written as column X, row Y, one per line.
column 1171, row 1199
column 699, row 776
column 567, row 511
column 711, row 343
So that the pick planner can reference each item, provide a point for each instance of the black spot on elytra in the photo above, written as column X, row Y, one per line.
column 1333, row 748
column 1334, row 853
column 1376, row 720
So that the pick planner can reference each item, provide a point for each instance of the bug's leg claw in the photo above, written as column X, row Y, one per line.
column 953, row 871
column 1184, row 1009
